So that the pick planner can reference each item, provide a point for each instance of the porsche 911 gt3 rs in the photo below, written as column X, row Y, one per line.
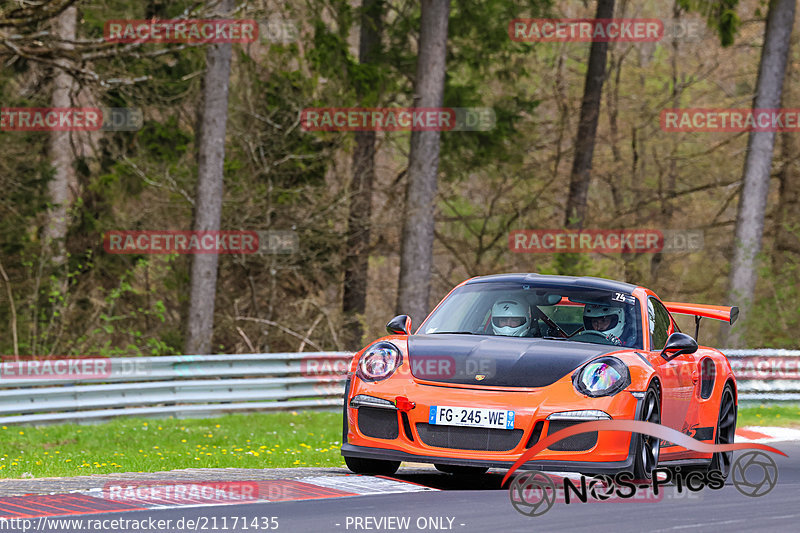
column 504, row 360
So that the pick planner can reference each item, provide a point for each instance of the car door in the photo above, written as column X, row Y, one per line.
column 676, row 374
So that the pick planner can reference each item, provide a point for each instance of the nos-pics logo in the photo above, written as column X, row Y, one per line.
column 533, row 493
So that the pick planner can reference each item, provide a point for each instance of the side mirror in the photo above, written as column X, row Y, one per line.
column 677, row 344
column 399, row 325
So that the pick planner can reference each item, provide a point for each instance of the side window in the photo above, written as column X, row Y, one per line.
column 659, row 323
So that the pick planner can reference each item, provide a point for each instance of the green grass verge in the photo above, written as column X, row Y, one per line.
column 261, row 440
column 777, row 415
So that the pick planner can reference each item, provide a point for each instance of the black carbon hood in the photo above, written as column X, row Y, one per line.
column 497, row 361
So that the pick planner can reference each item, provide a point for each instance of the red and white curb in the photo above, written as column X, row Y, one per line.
column 133, row 496
column 766, row 434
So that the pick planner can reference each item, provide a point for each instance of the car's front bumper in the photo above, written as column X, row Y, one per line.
column 595, row 467
column 612, row 451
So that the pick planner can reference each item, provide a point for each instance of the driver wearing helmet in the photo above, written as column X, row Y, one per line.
column 608, row 320
column 511, row 318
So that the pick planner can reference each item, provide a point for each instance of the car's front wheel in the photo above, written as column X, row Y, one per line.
column 359, row 465
column 648, row 447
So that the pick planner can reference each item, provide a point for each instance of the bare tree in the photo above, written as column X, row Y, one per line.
column 416, row 256
column 63, row 187
column 580, row 176
column 787, row 213
column 208, row 200
column 758, row 163
column 354, row 300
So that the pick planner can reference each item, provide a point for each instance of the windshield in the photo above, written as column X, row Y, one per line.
column 569, row 313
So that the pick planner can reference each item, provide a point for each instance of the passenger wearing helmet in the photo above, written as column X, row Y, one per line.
column 511, row 318
column 607, row 320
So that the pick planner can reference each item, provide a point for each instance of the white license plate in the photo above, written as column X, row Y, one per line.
column 471, row 416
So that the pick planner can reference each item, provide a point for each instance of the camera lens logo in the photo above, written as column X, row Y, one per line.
column 532, row 494
column 754, row 474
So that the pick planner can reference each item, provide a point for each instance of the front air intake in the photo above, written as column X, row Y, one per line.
column 465, row 438
column 378, row 423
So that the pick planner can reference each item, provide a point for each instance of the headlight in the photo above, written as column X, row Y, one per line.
column 602, row 377
column 379, row 361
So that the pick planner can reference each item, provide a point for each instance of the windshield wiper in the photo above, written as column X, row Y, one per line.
column 555, row 338
column 452, row 332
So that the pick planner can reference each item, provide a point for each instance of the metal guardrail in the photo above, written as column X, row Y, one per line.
column 43, row 392
column 767, row 374
column 92, row 390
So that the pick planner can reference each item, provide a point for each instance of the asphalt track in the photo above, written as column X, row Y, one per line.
column 481, row 506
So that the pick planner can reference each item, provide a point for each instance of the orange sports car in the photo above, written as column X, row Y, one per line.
column 504, row 360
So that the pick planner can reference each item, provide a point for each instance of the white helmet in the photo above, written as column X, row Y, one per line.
column 511, row 318
column 616, row 315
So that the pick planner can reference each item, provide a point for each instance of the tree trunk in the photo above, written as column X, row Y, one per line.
column 587, row 126
column 354, row 301
column 787, row 214
column 758, row 163
column 63, row 187
column 208, row 200
column 667, row 192
column 416, row 257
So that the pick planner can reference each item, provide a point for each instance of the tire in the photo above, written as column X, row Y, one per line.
column 461, row 471
column 647, row 447
column 359, row 465
column 726, row 429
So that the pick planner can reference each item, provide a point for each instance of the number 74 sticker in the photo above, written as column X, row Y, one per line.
column 624, row 298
